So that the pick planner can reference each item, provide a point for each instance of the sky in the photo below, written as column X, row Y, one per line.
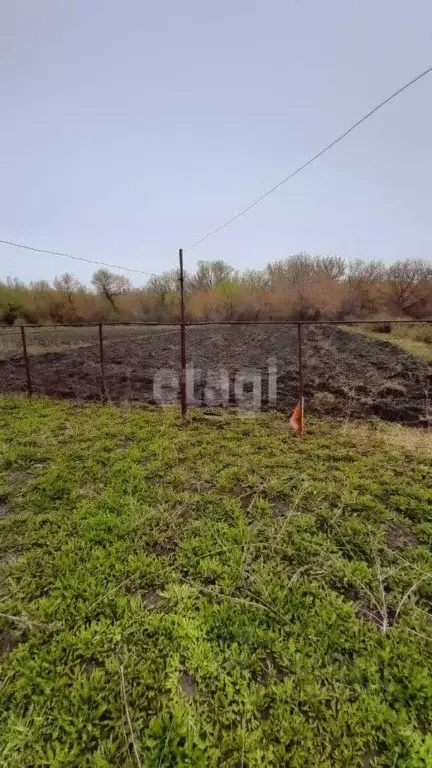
column 129, row 129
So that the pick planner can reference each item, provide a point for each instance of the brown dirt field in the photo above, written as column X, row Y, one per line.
column 346, row 374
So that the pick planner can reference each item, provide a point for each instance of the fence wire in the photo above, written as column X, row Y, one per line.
column 345, row 373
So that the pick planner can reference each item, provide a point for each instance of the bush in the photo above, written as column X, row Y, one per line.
column 300, row 287
column 10, row 314
column 323, row 401
column 381, row 327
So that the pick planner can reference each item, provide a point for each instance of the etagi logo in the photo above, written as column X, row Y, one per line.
column 214, row 386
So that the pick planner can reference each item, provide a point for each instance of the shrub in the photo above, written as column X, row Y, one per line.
column 381, row 327
column 301, row 287
column 323, row 401
column 10, row 313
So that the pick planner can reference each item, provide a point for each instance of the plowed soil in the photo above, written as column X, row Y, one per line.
column 345, row 373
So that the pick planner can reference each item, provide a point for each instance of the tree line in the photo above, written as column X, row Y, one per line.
column 297, row 287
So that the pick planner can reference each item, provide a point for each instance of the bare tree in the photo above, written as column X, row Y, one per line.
column 294, row 270
column 40, row 286
column 365, row 273
column 333, row 267
column 253, row 279
column 410, row 282
column 160, row 295
column 14, row 282
column 302, row 268
column 110, row 285
column 68, row 285
column 364, row 281
column 209, row 274
column 164, row 285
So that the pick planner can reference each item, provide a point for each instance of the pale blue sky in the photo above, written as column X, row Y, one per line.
column 128, row 129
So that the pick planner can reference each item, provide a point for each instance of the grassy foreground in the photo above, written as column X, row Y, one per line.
column 217, row 594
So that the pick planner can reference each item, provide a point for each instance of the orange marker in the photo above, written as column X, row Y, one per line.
column 296, row 419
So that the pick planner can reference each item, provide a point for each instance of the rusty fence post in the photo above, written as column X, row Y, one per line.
column 102, row 363
column 26, row 362
column 183, row 395
column 300, row 377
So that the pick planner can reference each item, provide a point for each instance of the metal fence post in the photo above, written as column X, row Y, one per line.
column 102, row 363
column 301, row 381
column 26, row 362
column 183, row 396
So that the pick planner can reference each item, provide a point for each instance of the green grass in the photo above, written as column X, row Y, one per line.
column 217, row 594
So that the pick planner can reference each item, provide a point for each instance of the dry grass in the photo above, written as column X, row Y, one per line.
column 413, row 347
column 416, row 339
column 395, row 439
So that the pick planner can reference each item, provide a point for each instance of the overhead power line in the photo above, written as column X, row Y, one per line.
column 77, row 258
column 249, row 207
column 310, row 161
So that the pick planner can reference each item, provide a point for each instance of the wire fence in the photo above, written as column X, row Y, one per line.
column 254, row 364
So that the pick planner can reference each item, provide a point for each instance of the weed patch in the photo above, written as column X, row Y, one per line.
column 209, row 596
